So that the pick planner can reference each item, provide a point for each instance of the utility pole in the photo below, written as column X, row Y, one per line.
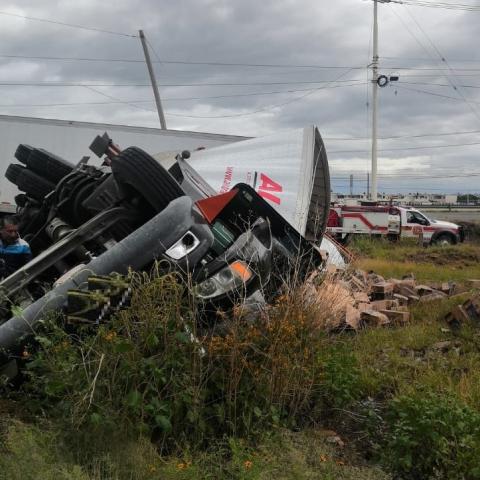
column 156, row 93
column 351, row 185
column 374, row 100
column 377, row 81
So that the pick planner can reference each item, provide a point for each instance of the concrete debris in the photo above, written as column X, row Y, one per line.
column 363, row 300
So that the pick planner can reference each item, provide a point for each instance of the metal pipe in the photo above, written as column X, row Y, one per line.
column 138, row 249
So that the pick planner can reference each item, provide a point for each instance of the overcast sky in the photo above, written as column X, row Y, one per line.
column 270, row 66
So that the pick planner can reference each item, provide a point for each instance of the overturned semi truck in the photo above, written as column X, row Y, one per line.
column 238, row 220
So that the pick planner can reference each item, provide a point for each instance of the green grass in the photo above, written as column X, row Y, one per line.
column 457, row 263
column 339, row 377
column 32, row 453
column 406, row 360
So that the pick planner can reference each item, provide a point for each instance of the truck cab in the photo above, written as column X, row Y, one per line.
column 415, row 223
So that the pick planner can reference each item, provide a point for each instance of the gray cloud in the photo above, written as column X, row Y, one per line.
column 288, row 32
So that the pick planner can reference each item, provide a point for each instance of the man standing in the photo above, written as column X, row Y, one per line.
column 14, row 252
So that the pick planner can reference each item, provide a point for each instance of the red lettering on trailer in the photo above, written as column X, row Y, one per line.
column 268, row 185
column 227, row 179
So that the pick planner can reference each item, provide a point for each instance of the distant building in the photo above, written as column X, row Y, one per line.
column 404, row 198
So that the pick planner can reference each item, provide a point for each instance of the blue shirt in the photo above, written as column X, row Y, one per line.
column 15, row 255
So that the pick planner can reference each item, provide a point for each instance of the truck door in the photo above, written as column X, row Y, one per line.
column 415, row 224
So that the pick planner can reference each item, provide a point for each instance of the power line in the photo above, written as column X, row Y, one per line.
column 444, row 60
column 409, row 148
column 219, row 84
column 435, row 94
column 442, row 5
column 228, row 64
column 71, row 25
column 269, row 107
column 429, row 55
column 439, row 84
column 393, row 137
column 393, row 176
column 423, row 59
column 117, row 99
column 168, row 99
column 181, row 62
column 72, row 59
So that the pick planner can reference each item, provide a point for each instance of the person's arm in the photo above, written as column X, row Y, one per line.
column 26, row 254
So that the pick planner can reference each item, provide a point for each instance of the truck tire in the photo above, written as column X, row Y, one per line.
column 33, row 185
column 22, row 153
column 135, row 169
column 444, row 239
column 48, row 165
column 13, row 172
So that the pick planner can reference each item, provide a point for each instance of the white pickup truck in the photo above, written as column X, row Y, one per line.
column 391, row 221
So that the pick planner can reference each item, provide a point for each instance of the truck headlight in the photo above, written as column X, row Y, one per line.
column 229, row 278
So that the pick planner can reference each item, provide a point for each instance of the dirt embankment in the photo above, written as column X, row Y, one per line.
column 454, row 257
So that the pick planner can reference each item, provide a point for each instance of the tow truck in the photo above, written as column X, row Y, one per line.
column 394, row 222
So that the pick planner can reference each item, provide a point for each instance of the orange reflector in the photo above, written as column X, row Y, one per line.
column 241, row 270
column 212, row 206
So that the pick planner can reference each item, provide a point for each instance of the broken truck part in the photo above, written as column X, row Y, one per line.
column 131, row 212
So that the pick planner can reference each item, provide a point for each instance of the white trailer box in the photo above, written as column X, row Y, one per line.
column 71, row 140
column 288, row 169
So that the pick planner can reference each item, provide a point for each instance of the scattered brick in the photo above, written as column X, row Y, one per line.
column 352, row 317
column 361, row 297
column 372, row 318
column 404, row 290
column 423, row 290
column 402, row 299
column 357, row 284
column 382, row 290
column 447, row 288
column 430, row 297
column 379, row 305
column 413, row 299
column 397, row 317
column 457, row 317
